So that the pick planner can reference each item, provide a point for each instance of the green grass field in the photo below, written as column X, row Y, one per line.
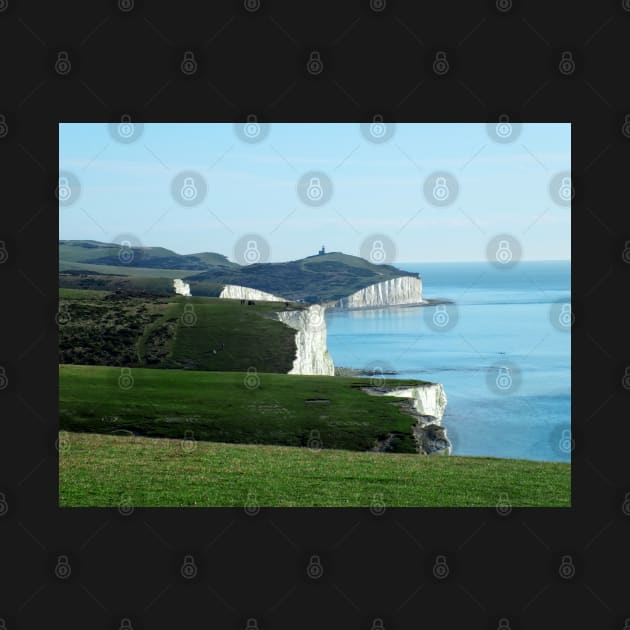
column 109, row 471
column 172, row 332
column 254, row 408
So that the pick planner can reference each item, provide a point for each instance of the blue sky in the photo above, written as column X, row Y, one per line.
column 377, row 188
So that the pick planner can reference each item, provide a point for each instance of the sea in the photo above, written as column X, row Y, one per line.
column 501, row 347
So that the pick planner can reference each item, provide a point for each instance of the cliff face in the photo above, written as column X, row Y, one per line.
column 404, row 290
column 310, row 340
column 428, row 402
column 181, row 287
column 236, row 292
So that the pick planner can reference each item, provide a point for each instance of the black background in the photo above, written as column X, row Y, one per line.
column 254, row 566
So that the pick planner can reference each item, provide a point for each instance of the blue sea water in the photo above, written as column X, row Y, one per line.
column 503, row 356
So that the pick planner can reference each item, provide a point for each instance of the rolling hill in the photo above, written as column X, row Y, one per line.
column 319, row 278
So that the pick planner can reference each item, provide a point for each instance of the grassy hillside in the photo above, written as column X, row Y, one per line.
column 112, row 254
column 312, row 279
column 125, row 330
column 108, row 471
column 255, row 408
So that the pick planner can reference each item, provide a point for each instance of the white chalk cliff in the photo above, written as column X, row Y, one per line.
column 236, row 292
column 429, row 402
column 310, row 340
column 394, row 292
column 181, row 287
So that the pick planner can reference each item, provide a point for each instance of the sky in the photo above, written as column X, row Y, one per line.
column 378, row 188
